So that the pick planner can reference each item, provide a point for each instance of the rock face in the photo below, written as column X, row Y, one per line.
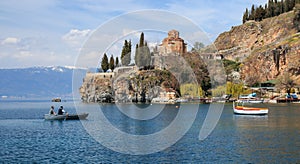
column 266, row 49
column 96, row 87
column 128, row 86
column 142, row 86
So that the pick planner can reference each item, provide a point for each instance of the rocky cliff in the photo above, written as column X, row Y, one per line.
column 266, row 49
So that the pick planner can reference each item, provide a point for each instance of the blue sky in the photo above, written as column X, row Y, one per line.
column 52, row 32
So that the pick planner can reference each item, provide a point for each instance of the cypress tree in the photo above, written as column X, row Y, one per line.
column 286, row 5
column 147, row 55
column 259, row 13
column 246, row 16
column 104, row 63
column 112, row 63
column 117, row 61
column 292, row 5
column 141, row 40
column 252, row 13
column 277, row 8
column 126, row 53
column 142, row 53
column 136, row 56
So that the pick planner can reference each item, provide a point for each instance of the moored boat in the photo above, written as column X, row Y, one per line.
column 249, row 110
column 57, row 99
column 80, row 116
column 253, row 101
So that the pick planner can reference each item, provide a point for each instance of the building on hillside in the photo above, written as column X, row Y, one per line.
column 172, row 44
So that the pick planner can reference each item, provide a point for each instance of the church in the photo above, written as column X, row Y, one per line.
column 172, row 44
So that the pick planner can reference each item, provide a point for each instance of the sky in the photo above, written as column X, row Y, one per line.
column 54, row 32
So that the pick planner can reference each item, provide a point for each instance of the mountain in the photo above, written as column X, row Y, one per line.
column 267, row 49
column 33, row 82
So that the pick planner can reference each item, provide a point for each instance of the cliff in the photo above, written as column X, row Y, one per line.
column 127, row 84
column 266, row 49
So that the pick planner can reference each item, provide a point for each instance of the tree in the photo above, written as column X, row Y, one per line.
column 259, row 13
column 126, row 53
column 285, row 82
column 297, row 17
column 141, row 40
column 112, row 63
column 117, row 61
column 104, row 63
column 252, row 13
column 286, row 5
column 198, row 46
column 142, row 53
column 277, row 8
column 246, row 16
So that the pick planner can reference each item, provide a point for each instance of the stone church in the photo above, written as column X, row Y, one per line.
column 172, row 44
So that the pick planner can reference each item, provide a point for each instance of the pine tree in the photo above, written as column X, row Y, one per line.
column 112, row 63
column 104, row 63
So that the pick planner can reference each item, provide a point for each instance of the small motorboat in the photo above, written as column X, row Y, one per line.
column 253, row 101
column 67, row 116
column 249, row 110
column 57, row 99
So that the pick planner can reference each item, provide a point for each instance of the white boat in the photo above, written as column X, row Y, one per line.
column 250, row 101
column 160, row 100
column 81, row 116
column 249, row 110
column 180, row 100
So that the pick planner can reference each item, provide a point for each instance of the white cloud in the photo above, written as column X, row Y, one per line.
column 39, row 27
column 10, row 40
column 75, row 38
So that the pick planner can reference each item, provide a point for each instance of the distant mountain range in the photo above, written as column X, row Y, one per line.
column 37, row 82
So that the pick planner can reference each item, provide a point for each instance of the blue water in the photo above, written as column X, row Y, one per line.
column 26, row 137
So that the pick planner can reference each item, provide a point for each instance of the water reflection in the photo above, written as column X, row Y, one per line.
column 250, row 121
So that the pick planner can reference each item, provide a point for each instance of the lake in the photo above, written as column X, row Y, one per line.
column 27, row 138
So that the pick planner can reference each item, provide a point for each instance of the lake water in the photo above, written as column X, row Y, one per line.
column 26, row 137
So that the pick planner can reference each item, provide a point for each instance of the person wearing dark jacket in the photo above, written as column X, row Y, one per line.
column 52, row 111
column 61, row 110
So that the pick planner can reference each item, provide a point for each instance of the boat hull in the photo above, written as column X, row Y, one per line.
column 242, row 110
column 81, row 116
column 261, row 111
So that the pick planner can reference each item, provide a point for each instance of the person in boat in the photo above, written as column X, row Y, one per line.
column 61, row 110
column 51, row 111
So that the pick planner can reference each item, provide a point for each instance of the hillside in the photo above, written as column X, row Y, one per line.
column 36, row 82
column 266, row 48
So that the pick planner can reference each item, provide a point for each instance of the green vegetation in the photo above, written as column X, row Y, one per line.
column 200, row 70
column 297, row 16
column 193, row 90
column 230, row 66
column 126, row 53
column 117, row 62
column 235, row 89
column 104, row 63
column 112, row 63
column 197, row 47
column 285, row 82
column 272, row 9
column 142, row 53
